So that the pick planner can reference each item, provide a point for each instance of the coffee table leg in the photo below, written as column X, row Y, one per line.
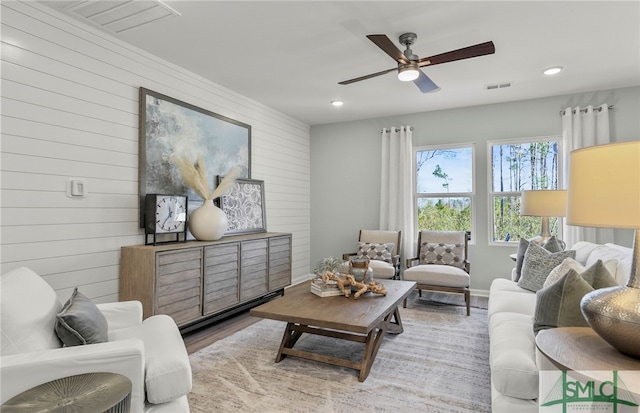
column 374, row 339
column 288, row 340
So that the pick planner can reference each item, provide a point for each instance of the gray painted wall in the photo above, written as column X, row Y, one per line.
column 345, row 170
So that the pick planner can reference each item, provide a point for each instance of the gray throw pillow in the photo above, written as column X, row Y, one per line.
column 598, row 276
column 522, row 248
column 553, row 244
column 558, row 305
column 81, row 322
column 537, row 264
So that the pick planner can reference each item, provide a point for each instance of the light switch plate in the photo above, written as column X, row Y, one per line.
column 76, row 188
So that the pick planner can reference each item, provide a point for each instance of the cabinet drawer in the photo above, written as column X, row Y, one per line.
column 253, row 269
column 221, row 270
column 279, row 262
column 178, row 288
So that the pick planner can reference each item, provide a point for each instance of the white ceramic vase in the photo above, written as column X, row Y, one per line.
column 208, row 223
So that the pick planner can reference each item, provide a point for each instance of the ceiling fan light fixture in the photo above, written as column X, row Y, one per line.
column 408, row 72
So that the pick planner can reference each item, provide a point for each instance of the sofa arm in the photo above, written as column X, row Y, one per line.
column 21, row 372
column 122, row 314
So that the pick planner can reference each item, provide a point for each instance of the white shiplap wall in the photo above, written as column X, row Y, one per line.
column 70, row 109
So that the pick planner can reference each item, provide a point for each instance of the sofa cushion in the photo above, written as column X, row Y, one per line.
column 537, row 265
column 522, row 302
column 167, row 368
column 81, row 322
column 512, row 356
column 28, row 313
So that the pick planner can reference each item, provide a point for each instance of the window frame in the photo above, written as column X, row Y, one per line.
column 472, row 194
column 491, row 194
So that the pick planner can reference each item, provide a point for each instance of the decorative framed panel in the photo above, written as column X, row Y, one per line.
column 244, row 206
column 169, row 127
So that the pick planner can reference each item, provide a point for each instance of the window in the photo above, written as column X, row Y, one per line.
column 516, row 166
column 444, row 188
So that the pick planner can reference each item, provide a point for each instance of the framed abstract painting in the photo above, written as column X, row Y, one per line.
column 169, row 127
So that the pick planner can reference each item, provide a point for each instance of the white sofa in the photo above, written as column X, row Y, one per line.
column 514, row 359
column 151, row 353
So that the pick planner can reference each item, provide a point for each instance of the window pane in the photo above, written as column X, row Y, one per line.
column 509, row 225
column 444, row 170
column 444, row 214
column 518, row 167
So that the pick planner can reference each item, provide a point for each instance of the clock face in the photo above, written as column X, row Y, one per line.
column 171, row 214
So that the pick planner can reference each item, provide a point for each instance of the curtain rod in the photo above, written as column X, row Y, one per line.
column 599, row 109
column 389, row 130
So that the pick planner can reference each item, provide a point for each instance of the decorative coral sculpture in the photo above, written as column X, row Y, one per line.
column 346, row 281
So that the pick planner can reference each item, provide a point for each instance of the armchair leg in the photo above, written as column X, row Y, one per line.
column 467, row 300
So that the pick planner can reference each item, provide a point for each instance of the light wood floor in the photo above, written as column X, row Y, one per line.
column 199, row 339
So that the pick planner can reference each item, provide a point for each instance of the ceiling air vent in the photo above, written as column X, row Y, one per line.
column 118, row 16
column 498, row 86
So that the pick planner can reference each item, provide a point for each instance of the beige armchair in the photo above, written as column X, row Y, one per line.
column 383, row 250
column 441, row 265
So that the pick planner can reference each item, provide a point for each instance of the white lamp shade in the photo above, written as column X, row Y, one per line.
column 604, row 186
column 544, row 203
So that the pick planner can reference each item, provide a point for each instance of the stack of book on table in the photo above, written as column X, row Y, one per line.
column 322, row 289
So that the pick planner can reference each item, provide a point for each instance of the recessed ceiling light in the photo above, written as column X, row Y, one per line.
column 337, row 102
column 553, row 70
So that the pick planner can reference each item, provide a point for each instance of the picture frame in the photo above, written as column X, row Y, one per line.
column 244, row 206
column 169, row 127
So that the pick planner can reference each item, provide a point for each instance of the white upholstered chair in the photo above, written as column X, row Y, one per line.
column 151, row 353
column 383, row 250
column 441, row 265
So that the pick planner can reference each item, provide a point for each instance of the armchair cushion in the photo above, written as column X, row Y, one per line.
column 80, row 322
column 375, row 251
column 382, row 269
column 436, row 274
column 28, row 313
column 443, row 254
column 167, row 368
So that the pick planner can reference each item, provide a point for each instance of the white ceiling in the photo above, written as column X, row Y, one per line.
column 290, row 55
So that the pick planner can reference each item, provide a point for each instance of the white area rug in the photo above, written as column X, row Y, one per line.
column 439, row 364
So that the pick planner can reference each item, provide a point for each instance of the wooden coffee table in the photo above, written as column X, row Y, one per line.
column 365, row 320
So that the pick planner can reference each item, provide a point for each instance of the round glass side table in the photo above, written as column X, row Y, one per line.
column 91, row 392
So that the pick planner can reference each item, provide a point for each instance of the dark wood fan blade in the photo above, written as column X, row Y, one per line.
column 387, row 46
column 464, row 53
column 357, row 79
column 425, row 84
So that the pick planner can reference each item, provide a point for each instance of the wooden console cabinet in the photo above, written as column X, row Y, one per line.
column 199, row 282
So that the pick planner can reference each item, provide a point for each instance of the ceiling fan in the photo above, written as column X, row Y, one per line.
column 409, row 64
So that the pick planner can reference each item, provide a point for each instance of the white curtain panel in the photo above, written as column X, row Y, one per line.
column 582, row 127
column 396, row 185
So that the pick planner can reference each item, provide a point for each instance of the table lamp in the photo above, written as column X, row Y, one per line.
column 545, row 204
column 604, row 191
